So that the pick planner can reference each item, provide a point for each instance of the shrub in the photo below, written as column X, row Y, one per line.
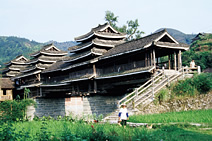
column 203, row 82
column 162, row 95
column 14, row 110
column 184, row 87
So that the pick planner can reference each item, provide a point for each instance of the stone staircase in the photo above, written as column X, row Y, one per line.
column 144, row 94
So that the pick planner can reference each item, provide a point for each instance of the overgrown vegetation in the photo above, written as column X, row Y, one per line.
column 200, row 51
column 199, row 84
column 13, row 110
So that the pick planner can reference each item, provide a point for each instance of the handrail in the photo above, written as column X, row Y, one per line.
column 139, row 91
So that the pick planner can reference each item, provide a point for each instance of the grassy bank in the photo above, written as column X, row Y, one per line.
column 69, row 129
column 197, row 116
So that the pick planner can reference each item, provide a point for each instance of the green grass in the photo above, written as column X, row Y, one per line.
column 56, row 130
column 196, row 116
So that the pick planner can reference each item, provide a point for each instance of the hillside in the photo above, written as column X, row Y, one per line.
column 10, row 47
column 200, row 51
column 179, row 36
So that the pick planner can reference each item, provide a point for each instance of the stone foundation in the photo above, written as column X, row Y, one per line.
column 203, row 101
column 76, row 106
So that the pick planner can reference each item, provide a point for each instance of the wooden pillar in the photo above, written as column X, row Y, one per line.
column 153, row 54
column 169, row 57
column 94, row 70
column 179, row 60
column 95, row 86
column 146, row 60
column 41, row 92
column 39, row 77
column 175, row 61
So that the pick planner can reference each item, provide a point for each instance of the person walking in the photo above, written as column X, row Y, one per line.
column 123, row 115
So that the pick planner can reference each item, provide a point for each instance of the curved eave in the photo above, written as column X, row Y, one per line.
column 104, row 45
column 74, row 80
column 46, row 61
column 31, row 62
column 83, row 47
column 36, row 72
column 17, row 69
column 28, row 86
column 11, row 75
column 122, row 53
column 53, row 54
column 84, row 38
column 20, row 63
column 8, row 63
column 109, row 36
column 78, row 57
column 54, row 85
column 127, row 74
column 33, row 55
column 74, row 66
column 172, row 47
column 52, row 71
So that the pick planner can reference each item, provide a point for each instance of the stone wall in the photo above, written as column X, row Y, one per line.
column 89, row 105
column 203, row 101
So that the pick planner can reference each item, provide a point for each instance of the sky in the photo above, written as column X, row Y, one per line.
column 63, row 20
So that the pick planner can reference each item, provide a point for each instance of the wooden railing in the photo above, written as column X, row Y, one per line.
column 138, row 91
column 152, row 86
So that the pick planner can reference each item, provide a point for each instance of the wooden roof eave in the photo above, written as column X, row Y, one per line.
column 36, row 54
column 83, row 47
column 31, row 62
column 53, row 85
column 17, row 77
column 127, row 74
column 109, row 36
column 75, row 80
column 122, row 53
column 71, row 60
column 171, row 47
column 17, row 69
column 20, row 63
column 78, row 39
column 74, row 66
column 32, row 85
column 53, row 54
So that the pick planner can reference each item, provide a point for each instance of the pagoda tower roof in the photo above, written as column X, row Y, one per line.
column 105, row 31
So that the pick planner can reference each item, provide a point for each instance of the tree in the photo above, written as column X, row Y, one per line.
column 131, row 29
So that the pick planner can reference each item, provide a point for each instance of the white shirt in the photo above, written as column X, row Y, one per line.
column 192, row 64
column 123, row 112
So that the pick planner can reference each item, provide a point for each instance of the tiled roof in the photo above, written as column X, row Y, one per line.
column 96, row 41
column 138, row 44
column 6, row 83
column 45, row 51
column 97, row 29
column 94, row 51
column 56, row 66
column 15, row 61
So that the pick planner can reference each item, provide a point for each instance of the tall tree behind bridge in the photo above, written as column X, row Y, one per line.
column 131, row 28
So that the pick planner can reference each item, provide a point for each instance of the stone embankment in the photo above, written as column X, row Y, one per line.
column 203, row 101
